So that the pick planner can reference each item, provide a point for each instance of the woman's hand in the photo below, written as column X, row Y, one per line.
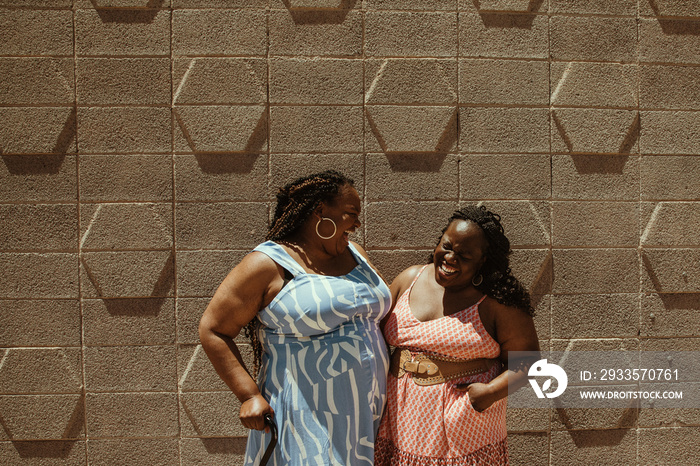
column 480, row 395
column 253, row 411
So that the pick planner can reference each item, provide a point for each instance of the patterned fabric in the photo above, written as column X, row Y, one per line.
column 437, row 425
column 324, row 365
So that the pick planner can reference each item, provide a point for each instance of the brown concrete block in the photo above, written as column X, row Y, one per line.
column 315, row 81
column 113, row 415
column 670, row 270
column 662, row 315
column 189, row 312
column 526, row 223
column 147, row 321
column 670, row 133
column 130, row 369
column 41, row 371
column 221, row 225
column 201, row 272
column 41, row 130
column 520, row 176
column 392, row 262
column 220, row 3
column 36, row 32
column 123, row 81
column 670, row 224
column 614, row 447
column 221, row 177
column 219, row 32
column 126, row 226
column 39, row 275
column 38, row 3
column 595, row 131
column 512, row 82
column 213, row 130
column 39, row 323
column 593, row 38
column 138, row 274
column 515, row 130
column 533, row 267
column 410, row 34
column 406, row 224
column 120, row 4
column 316, row 129
column 286, row 168
column 609, row 85
column 221, row 81
column 37, row 227
column 197, row 374
column 316, row 33
column 595, row 177
column 212, row 451
column 519, row 6
column 669, row 417
column 411, row 81
column 669, row 8
column 595, row 271
column 43, row 453
column 409, row 5
column 200, row 414
column 588, row 224
column 502, row 35
column 32, row 81
column 620, row 7
column 527, row 419
column 528, row 449
column 543, row 315
column 43, row 417
column 658, row 171
column 126, row 178
column 403, row 176
column 669, row 87
column 669, row 40
column 669, row 446
column 121, row 32
column 124, row 130
column 38, row 178
column 133, row 452
column 409, row 129
column 595, row 316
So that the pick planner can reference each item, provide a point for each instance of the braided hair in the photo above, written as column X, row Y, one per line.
column 499, row 282
column 296, row 202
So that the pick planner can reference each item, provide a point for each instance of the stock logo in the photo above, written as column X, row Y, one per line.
column 543, row 369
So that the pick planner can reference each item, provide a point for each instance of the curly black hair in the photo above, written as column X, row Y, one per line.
column 499, row 282
column 295, row 203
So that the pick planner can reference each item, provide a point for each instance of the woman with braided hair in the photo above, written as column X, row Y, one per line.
column 312, row 303
column 453, row 323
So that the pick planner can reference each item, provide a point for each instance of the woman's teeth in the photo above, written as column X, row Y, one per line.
column 447, row 270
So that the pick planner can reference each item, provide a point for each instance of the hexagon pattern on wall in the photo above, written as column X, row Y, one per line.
column 220, row 105
column 411, row 105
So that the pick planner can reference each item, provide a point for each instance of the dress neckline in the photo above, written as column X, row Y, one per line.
column 301, row 269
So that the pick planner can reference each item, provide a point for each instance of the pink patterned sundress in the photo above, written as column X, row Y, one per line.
column 436, row 425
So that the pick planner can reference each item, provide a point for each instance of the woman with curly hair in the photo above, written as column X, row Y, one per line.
column 311, row 303
column 453, row 323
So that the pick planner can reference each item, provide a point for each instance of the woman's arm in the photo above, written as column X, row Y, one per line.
column 515, row 331
column 399, row 286
column 236, row 302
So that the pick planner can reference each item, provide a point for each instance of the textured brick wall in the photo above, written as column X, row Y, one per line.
column 141, row 143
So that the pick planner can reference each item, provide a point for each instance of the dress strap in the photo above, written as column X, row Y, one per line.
column 416, row 279
column 278, row 254
column 479, row 301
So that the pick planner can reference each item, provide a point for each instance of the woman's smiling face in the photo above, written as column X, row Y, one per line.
column 459, row 255
column 345, row 212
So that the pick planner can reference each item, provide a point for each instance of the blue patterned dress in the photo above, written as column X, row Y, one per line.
column 324, row 365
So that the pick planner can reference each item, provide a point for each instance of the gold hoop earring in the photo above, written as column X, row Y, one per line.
column 335, row 228
column 481, row 280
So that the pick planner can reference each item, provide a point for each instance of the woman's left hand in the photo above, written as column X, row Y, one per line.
column 479, row 395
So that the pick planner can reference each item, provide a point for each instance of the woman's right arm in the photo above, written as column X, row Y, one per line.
column 249, row 286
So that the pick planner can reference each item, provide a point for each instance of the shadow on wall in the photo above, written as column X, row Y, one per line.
column 334, row 14
column 502, row 19
column 133, row 14
column 674, row 26
column 31, row 164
